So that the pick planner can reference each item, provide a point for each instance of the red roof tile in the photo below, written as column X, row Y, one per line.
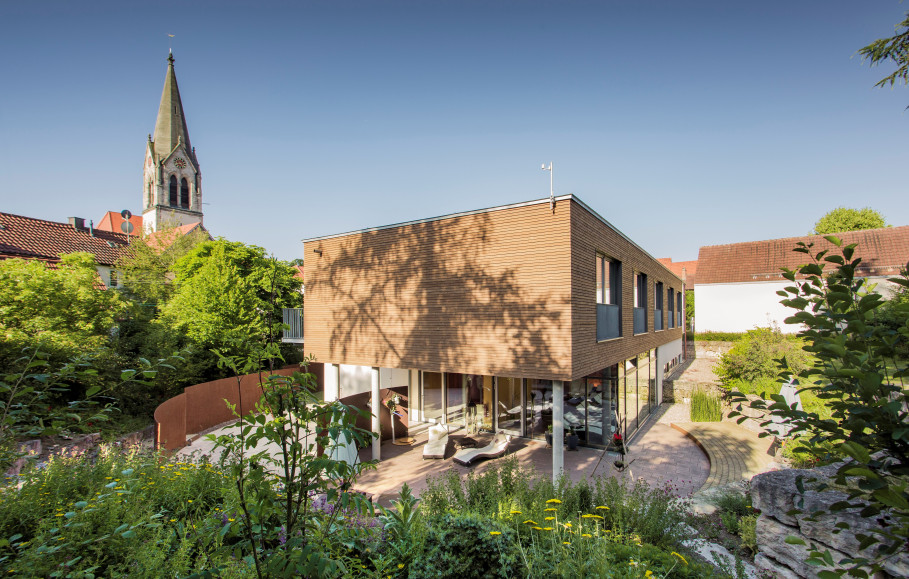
column 31, row 238
column 161, row 240
column 112, row 221
column 686, row 270
column 883, row 251
column 299, row 273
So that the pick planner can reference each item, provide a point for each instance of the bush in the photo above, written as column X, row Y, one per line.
column 718, row 336
column 747, row 526
column 467, row 546
column 755, row 356
column 706, row 406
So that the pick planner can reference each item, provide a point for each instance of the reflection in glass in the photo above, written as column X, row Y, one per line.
column 643, row 386
column 575, row 409
column 456, row 399
column 539, row 408
column 432, row 396
column 479, row 402
column 509, row 405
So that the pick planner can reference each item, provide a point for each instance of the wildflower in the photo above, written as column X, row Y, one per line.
column 682, row 559
column 602, row 508
column 547, row 528
column 538, row 528
column 189, row 501
column 554, row 502
column 587, row 535
column 632, row 563
column 515, row 512
column 400, row 565
column 173, row 520
column 549, row 519
column 550, row 510
column 529, row 522
column 648, row 573
column 565, row 543
column 494, row 533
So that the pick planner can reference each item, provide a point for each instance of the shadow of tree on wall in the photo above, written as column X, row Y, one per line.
column 442, row 296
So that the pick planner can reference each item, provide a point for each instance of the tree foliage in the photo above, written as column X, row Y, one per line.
column 895, row 50
column 63, row 308
column 860, row 375
column 229, row 293
column 847, row 219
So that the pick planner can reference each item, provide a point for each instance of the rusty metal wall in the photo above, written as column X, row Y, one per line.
column 205, row 405
column 170, row 418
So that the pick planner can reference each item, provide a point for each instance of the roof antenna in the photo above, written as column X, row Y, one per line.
column 551, row 195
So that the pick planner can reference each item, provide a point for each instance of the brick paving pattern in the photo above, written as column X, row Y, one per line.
column 735, row 453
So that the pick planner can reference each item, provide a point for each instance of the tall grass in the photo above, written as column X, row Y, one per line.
column 706, row 406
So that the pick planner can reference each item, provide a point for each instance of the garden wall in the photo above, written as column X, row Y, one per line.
column 203, row 406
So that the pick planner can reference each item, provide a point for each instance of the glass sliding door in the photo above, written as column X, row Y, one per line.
column 479, row 396
column 538, row 417
column 643, row 386
column 433, row 407
column 508, row 405
column 457, row 403
column 575, row 408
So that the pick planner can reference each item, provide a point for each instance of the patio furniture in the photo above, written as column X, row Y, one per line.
column 494, row 449
column 437, row 442
column 467, row 442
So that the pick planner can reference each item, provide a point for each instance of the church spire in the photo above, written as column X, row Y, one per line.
column 170, row 128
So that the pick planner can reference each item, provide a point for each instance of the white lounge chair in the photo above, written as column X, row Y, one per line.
column 437, row 443
column 494, row 449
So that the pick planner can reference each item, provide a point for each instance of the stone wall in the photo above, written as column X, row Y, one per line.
column 775, row 494
column 712, row 350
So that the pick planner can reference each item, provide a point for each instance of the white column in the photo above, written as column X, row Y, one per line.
column 558, row 429
column 376, row 407
column 332, row 382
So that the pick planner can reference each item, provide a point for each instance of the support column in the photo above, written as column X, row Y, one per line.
column 558, row 429
column 376, row 407
column 332, row 378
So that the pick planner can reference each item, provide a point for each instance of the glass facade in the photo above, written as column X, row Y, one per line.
column 618, row 398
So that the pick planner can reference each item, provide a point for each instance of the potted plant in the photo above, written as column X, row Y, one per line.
column 572, row 439
column 392, row 409
column 549, row 435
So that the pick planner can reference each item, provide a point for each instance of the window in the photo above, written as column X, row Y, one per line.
column 184, row 194
column 671, row 308
column 640, row 303
column 609, row 295
column 114, row 278
column 678, row 302
column 658, row 306
column 174, row 202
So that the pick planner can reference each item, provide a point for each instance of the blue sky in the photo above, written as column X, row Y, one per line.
column 683, row 123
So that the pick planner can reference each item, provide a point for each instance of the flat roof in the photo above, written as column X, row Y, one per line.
column 568, row 197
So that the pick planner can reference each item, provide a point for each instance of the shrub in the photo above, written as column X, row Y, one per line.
column 467, row 546
column 706, row 406
column 718, row 336
column 755, row 356
column 747, row 525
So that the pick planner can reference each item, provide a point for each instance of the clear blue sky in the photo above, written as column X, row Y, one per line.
column 683, row 123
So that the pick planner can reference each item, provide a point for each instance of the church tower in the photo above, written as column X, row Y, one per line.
column 172, row 181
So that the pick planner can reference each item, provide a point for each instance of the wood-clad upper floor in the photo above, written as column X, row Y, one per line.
column 507, row 291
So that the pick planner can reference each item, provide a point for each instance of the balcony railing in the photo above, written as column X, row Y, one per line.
column 657, row 320
column 609, row 322
column 640, row 320
column 293, row 319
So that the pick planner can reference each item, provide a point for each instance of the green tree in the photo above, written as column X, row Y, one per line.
column 227, row 293
column 860, row 375
column 846, row 219
column 894, row 49
column 63, row 308
column 689, row 307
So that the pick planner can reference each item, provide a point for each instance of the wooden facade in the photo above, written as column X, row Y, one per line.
column 505, row 292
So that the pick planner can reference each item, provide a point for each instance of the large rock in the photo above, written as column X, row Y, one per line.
column 775, row 494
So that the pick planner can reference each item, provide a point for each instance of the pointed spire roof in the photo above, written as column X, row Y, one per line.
column 171, row 125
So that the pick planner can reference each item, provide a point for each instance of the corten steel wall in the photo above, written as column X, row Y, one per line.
column 484, row 293
column 203, row 406
column 589, row 235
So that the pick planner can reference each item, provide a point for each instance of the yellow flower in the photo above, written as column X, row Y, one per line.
column 173, row 520
column 682, row 559
column 529, row 522
column 648, row 573
column 568, row 525
column 400, row 565
column 547, row 528
column 538, row 528
column 231, row 520
column 189, row 501
column 554, row 502
column 601, row 508
column 565, row 543
column 515, row 512
column 550, row 510
column 549, row 519
column 587, row 535
column 494, row 533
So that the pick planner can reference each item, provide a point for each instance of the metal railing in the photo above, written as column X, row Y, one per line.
column 657, row 320
column 609, row 322
column 640, row 320
column 293, row 319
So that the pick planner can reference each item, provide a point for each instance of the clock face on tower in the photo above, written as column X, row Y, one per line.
column 180, row 163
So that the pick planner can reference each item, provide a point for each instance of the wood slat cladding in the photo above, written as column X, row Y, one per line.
column 504, row 292
column 484, row 293
column 589, row 236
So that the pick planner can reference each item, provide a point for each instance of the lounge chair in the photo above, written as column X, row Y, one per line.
column 494, row 449
column 437, row 443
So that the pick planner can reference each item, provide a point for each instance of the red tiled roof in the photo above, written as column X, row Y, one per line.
column 299, row 273
column 31, row 238
column 883, row 251
column 112, row 221
column 161, row 240
column 686, row 270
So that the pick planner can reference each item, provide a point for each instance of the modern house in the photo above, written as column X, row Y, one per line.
column 736, row 284
column 515, row 318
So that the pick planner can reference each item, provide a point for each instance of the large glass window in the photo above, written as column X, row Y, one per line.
column 609, row 294
column 643, row 386
column 509, row 405
column 184, row 194
column 539, row 408
column 640, row 303
column 658, row 306
column 432, row 396
column 479, row 402
column 174, row 201
column 455, row 410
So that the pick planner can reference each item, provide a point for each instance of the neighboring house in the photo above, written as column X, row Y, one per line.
column 512, row 319
column 29, row 238
column 686, row 270
column 113, row 221
column 737, row 283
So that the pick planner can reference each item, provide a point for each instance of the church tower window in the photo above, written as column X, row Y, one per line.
column 184, row 193
column 174, row 202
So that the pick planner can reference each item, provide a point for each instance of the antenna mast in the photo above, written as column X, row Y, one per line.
column 551, row 194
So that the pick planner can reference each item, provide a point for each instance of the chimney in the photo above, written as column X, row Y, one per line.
column 78, row 223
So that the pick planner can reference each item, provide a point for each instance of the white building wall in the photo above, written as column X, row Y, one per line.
column 664, row 354
column 739, row 307
column 354, row 380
